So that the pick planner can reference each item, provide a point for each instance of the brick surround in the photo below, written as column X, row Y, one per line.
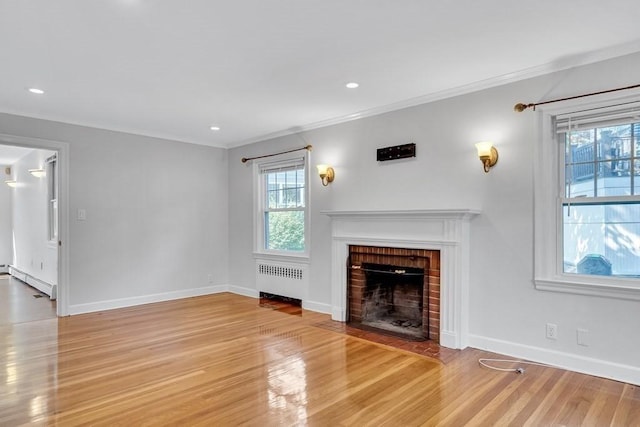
column 428, row 260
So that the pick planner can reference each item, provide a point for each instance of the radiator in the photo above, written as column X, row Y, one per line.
column 286, row 279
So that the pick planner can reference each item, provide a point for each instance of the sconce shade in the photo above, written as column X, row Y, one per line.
column 326, row 173
column 38, row 173
column 11, row 183
column 487, row 154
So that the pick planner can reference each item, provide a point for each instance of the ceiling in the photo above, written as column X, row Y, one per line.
column 10, row 154
column 259, row 69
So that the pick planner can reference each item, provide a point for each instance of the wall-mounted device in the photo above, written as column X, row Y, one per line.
column 396, row 152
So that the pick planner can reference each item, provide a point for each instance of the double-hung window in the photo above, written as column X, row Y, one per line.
column 283, row 201
column 588, row 220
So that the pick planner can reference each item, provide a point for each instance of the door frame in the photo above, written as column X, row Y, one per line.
column 62, row 149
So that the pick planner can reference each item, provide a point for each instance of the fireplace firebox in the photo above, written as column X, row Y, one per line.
column 393, row 299
column 395, row 291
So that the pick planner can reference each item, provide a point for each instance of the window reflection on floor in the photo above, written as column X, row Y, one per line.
column 287, row 387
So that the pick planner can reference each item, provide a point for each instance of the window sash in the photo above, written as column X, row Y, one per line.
column 288, row 195
column 598, row 161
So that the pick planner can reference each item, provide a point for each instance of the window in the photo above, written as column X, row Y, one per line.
column 588, row 200
column 52, row 197
column 282, row 223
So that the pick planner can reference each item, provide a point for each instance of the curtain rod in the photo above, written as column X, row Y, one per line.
column 307, row 147
column 521, row 107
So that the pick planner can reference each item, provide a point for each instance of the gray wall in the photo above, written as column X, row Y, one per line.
column 506, row 312
column 156, row 224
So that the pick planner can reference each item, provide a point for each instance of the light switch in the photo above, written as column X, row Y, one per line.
column 82, row 214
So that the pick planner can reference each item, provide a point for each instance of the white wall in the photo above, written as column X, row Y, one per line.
column 34, row 254
column 6, row 245
column 156, row 224
column 506, row 313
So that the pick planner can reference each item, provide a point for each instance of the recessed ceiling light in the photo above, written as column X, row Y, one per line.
column 352, row 85
column 214, row 128
column 36, row 90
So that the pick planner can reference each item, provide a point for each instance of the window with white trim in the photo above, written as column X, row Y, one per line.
column 52, row 197
column 601, row 200
column 587, row 199
column 282, row 217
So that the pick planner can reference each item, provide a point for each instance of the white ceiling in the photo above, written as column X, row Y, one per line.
column 260, row 68
column 10, row 154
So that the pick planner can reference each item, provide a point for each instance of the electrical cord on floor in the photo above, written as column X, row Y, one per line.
column 518, row 370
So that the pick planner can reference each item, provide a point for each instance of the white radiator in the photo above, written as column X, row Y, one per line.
column 47, row 288
column 286, row 279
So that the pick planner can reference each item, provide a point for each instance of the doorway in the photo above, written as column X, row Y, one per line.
column 39, row 226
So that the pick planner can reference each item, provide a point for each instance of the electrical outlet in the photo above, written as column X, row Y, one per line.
column 552, row 331
column 210, row 278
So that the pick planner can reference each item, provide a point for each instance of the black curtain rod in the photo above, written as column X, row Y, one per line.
column 307, row 147
column 521, row 107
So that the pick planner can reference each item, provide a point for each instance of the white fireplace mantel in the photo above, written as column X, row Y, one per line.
column 435, row 229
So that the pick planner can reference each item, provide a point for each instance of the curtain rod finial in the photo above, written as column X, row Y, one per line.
column 244, row 160
column 520, row 107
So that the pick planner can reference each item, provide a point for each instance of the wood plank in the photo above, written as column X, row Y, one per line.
column 224, row 360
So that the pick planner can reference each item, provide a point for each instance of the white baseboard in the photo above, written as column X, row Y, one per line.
column 144, row 299
column 34, row 282
column 586, row 365
column 317, row 307
column 247, row 292
column 187, row 293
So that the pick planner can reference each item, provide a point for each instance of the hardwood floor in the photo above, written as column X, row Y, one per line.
column 18, row 304
column 224, row 360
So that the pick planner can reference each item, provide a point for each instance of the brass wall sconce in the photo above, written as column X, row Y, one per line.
column 38, row 173
column 326, row 173
column 488, row 154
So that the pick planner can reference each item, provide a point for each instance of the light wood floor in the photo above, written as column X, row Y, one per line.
column 18, row 304
column 223, row 360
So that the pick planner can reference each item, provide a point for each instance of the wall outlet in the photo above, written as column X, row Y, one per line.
column 582, row 336
column 552, row 331
column 210, row 278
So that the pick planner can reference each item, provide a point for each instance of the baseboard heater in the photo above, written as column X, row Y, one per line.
column 287, row 279
column 34, row 282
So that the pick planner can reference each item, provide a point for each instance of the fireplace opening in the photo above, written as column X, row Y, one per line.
column 394, row 291
column 393, row 299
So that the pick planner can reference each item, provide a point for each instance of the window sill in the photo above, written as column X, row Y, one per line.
column 613, row 290
column 301, row 258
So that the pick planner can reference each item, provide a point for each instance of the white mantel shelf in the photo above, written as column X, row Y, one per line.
column 463, row 214
column 445, row 230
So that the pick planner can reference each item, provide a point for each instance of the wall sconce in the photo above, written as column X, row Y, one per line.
column 11, row 183
column 488, row 154
column 326, row 173
column 38, row 173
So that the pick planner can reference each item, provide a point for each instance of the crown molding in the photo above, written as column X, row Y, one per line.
column 551, row 67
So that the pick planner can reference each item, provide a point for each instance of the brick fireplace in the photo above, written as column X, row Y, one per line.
column 445, row 232
column 396, row 290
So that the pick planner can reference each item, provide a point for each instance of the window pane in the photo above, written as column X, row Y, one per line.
column 614, row 142
column 579, row 180
column 284, row 230
column 602, row 239
column 610, row 183
column 285, row 190
column 580, row 164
